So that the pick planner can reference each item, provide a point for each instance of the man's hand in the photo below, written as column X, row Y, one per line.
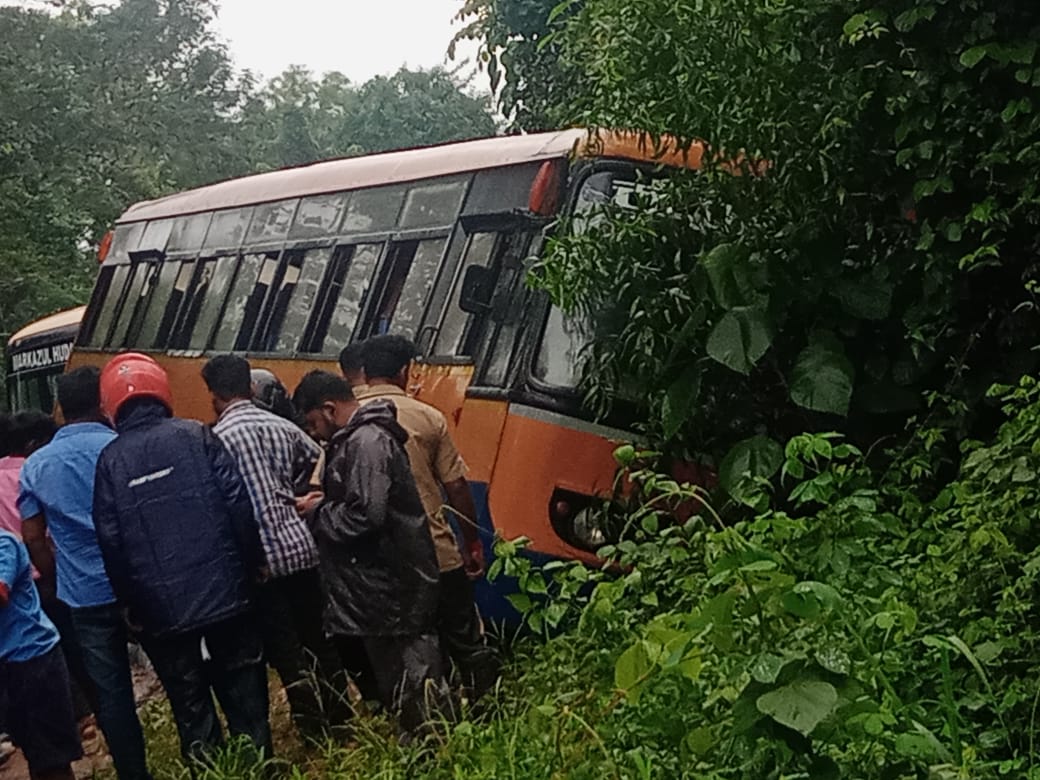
column 306, row 504
column 473, row 559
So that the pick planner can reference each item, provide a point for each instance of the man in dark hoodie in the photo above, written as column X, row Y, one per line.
column 182, row 551
column 377, row 556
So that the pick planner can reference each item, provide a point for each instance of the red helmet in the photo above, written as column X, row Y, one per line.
column 132, row 375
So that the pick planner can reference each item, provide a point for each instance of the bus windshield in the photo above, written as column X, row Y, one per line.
column 565, row 338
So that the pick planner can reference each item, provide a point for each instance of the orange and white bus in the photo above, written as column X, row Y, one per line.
column 288, row 267
column 36, row 356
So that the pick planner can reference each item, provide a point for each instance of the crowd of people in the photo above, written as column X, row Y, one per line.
column 330, row 535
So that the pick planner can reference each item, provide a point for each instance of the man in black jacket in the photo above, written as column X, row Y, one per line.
column 182, row 551
column 377, row 556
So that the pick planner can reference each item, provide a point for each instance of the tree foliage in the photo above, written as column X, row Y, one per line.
column 881, row 241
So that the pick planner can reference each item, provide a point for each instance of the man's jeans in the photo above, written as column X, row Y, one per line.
column 102, row 636
column 238, row 677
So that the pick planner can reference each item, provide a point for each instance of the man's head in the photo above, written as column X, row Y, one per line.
column 79, row 395
column 387, row 360
column 228, row 380
column 326, row 403
column 352, row 363
column 129, row 380
column 30, row 430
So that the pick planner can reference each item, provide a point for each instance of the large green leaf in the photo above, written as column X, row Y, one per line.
column 726, row 265
column 740, row 338
column 822, row 376
column 758, row 456
column 630, row 669
column 801, row 705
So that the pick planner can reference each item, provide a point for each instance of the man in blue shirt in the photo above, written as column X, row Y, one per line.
column 32, row 671
column 56, row 494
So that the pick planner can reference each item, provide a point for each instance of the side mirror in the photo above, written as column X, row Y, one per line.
column 478, row 287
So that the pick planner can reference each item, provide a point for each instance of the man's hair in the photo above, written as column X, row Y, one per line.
column 385, row 356
column 319, row 387
column 227, row 376
column 79, row 393
column 29, row 430
column 352, row 357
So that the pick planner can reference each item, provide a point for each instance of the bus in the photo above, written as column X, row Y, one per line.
column 434, row 243
column 36, row 355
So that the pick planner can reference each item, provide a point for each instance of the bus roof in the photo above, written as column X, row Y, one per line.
column 63, row 319
column 407, row 165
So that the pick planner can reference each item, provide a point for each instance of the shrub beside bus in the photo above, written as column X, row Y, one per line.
column 290, row 266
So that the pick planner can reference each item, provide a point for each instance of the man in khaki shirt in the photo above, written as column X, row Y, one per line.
column 437, row 466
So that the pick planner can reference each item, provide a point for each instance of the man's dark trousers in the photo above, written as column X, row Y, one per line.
column 102, row 636
column 290, row 611
column 236, row 673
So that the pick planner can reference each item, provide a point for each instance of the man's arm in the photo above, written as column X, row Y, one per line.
column 34, row 534
column 34, row 529
column 366, row 483
column 109, row 532
column 450, row 470
column 8, row 568
column 236, row 497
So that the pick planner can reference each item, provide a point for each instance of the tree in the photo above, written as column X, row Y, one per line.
column 883, row 245
column 298, row 119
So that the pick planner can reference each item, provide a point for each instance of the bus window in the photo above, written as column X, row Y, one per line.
column 155, row 236
column 157, row 305
column 211, row 281
column 505, row 337
column 280, row 290
column 228, row 228
column 106, row 302
column 271, row 222
column 188, row 233
column 136, row 291
column 558, row 362
column 124, row 241
column 354, row 272
column 254, row 277
column 373, row 211
column 453, row 329
column 319, row 216
column 433, row 203
column 405, row 316
column 165, row 307
column 303, row 297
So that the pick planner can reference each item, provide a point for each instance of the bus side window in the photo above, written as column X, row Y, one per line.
column 280, row 290
column 291, row 323
column 105, row 304
column 450, row 337
column 254, row 277
column 144, row 328
column 336, row 316
column 136, row 293
column 165, row 307
column 212, row 277
column 405, row 282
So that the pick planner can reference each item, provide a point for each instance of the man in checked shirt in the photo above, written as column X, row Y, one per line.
column 272, row 454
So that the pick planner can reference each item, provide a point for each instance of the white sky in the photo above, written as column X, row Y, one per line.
column 360, row 38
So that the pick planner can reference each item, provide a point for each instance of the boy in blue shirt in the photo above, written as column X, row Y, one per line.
column 32, row 671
